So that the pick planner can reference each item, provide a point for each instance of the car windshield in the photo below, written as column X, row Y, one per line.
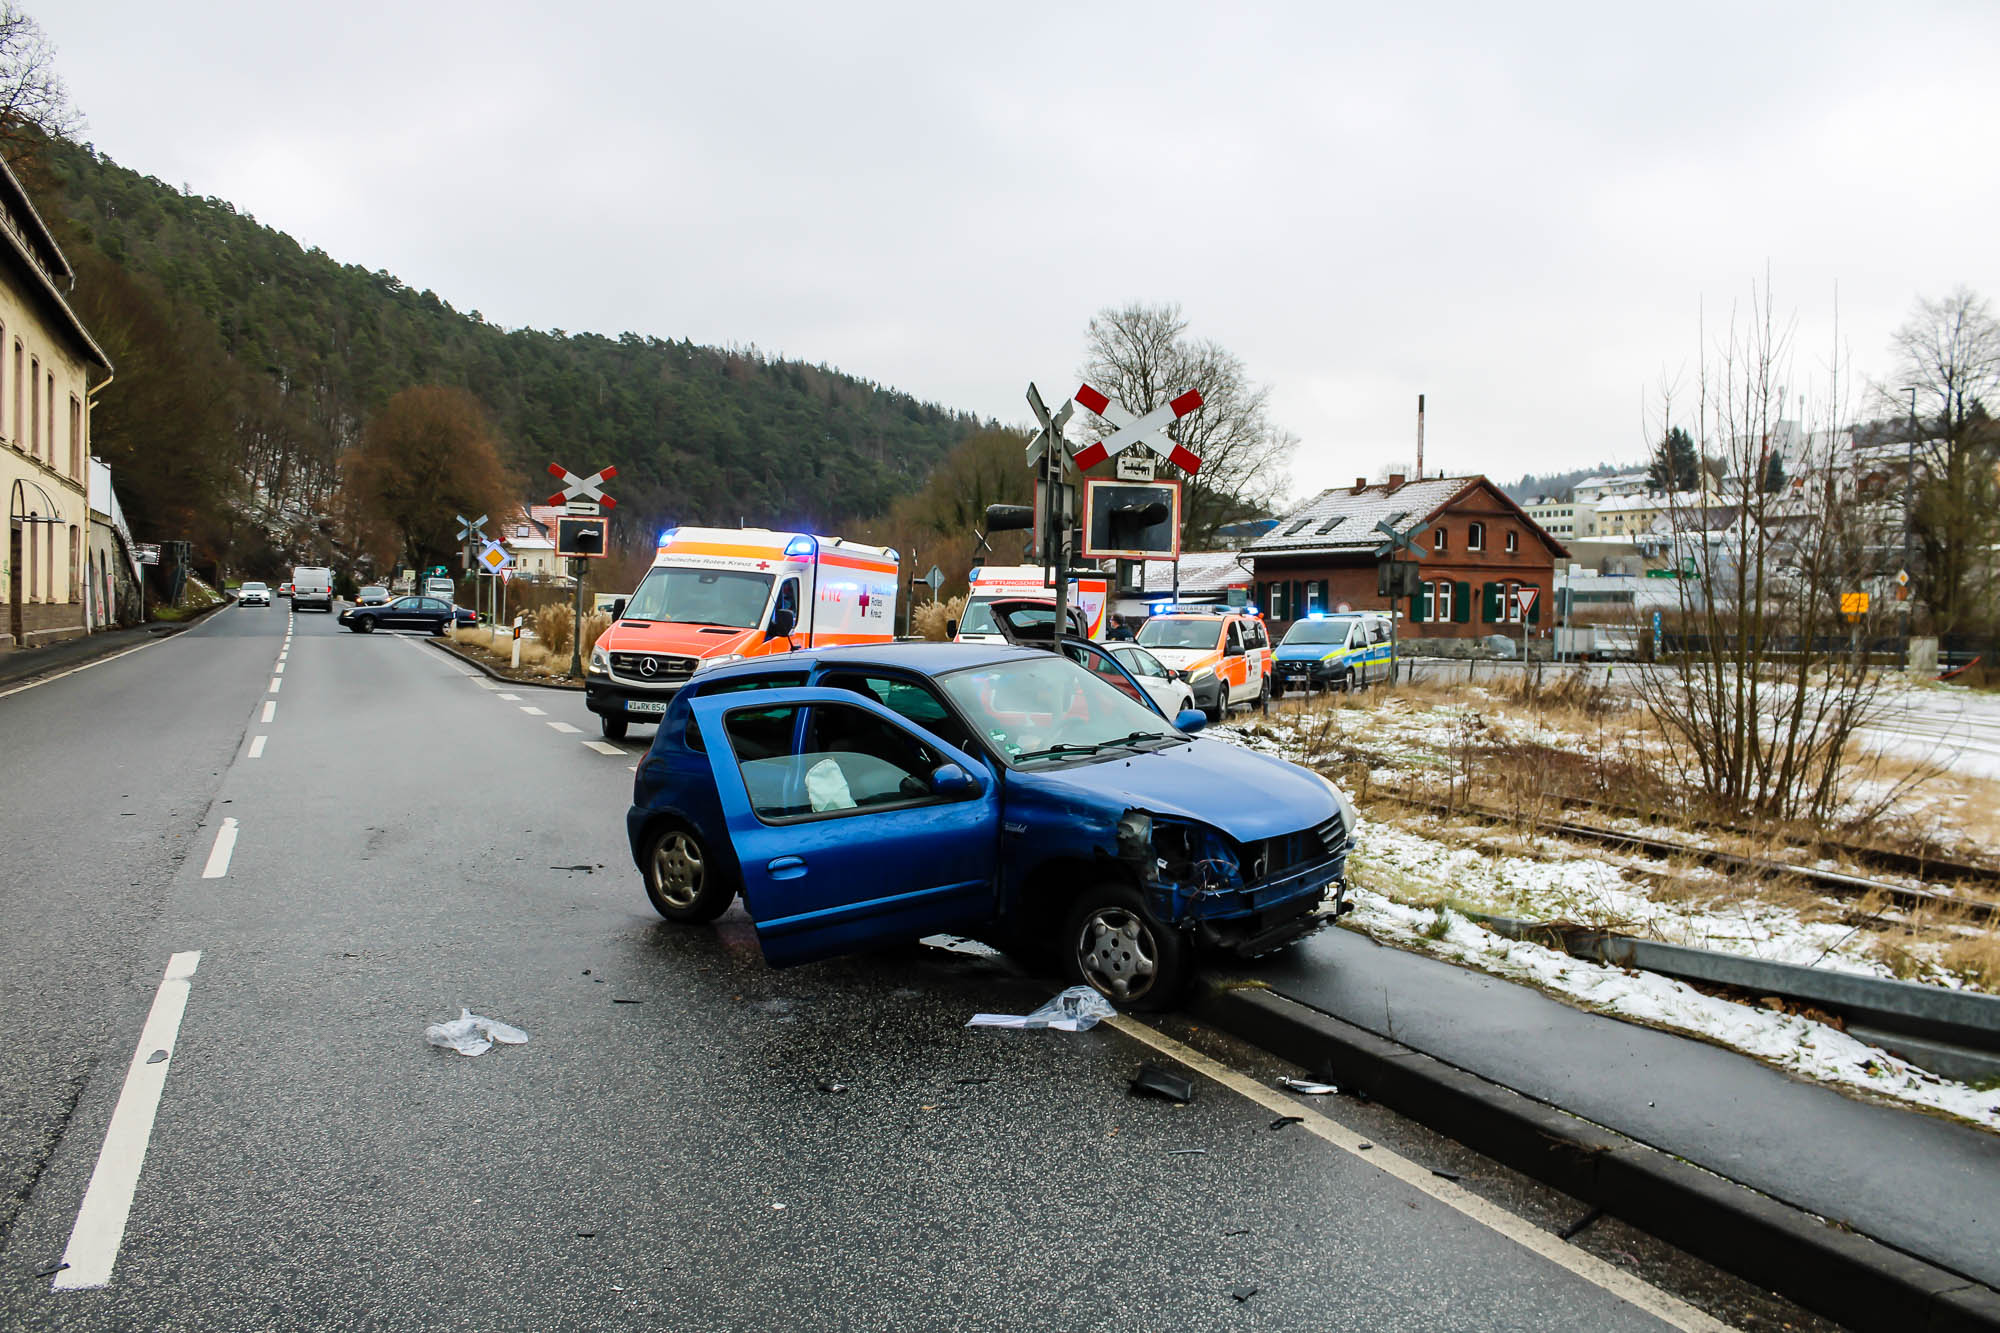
column 1161, row 633
column 701, row 597
column 1319, row 631
column 254, row 587
column 1045, row 709
column 372, row 591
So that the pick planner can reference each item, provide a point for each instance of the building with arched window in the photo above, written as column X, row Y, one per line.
column 49, row 366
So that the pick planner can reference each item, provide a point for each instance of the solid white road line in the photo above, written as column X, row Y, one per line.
column 257, row 747
column 602, row 747
column 567, row 729
column 510, row 698
column 1589, row 1267
column 533, row 712
column 107, row 1200
column 270, row 709
column 225, row 847
column 275, row 683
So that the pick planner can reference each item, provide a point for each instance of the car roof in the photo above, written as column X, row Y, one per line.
column 925, row 658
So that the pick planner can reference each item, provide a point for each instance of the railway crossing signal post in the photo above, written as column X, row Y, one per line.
column 1397, row 578
column 581, row 536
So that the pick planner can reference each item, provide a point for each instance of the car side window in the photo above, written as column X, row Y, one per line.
column 777, row 680
column 1235, row 634
column 1098, row 662
column 907, row 698
column 1378, row 632
column 843, row 760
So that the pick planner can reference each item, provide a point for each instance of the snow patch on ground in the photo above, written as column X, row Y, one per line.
column 1811, row 1050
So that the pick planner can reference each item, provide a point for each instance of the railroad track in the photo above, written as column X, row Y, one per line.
column 1833, row 882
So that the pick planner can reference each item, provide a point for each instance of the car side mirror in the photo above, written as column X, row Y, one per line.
column 1191, row 720
column 951, row 780
column 618, row 609
column 783, row 621
column 951, row 629
column 1233, row 650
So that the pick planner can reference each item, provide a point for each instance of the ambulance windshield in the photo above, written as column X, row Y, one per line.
column 701, row 597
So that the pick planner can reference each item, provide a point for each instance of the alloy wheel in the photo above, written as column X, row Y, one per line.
column 678, row 869
column 1117, row 953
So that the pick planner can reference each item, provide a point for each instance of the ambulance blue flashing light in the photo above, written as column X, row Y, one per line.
column 1315, row 615
column 800, row 546
column 668, row 536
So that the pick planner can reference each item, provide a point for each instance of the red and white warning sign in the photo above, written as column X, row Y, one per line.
column 1133, row 430
column 1526, row 597
column 582, row 488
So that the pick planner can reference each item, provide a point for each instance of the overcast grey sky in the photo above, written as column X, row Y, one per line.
column 1519, row 210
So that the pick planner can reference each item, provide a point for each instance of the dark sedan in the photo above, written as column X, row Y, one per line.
column 431, row 613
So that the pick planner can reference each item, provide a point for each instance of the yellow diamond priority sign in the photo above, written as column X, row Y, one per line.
column 495, row 558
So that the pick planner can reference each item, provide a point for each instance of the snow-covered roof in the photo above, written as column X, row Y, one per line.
column 1344, row 518
column 1201, row 572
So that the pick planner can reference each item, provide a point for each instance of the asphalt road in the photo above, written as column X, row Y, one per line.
column 410, row 838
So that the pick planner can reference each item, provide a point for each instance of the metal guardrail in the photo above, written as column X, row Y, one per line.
column 1952, row 1033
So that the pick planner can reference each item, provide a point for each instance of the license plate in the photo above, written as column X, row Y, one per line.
column 649, row 707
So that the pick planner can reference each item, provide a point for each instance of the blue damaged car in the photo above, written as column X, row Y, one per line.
column 860, row 796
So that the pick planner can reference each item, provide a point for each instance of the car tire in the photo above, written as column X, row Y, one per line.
column 1113, row 943
column 684, row 882
column 364, row 624
column 614, row 728
column 1221, row 709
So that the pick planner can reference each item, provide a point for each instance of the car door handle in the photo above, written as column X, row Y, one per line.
column 787, row 867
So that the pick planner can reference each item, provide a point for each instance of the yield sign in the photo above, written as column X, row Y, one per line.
column 1051, row 424
column 1138, row 430
column 495, row 558
column 582, row 488
column 1526, row 597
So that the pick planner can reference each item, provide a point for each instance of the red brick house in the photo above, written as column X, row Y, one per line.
column 1479, row 549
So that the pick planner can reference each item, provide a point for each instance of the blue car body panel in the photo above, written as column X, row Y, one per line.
column 827, row 883
column 1272, row 837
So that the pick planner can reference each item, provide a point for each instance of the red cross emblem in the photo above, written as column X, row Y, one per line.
column 763, row 564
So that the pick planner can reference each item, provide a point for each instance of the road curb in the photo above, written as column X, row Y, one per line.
column 494, row 675
column 1820, row 1264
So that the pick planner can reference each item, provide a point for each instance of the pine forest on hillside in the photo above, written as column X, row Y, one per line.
column 255, row 364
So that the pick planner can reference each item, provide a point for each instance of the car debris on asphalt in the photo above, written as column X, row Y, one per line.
column 1153, row 1081
column 1305, row 1087
column 1078, row 1009
column 472, row 1034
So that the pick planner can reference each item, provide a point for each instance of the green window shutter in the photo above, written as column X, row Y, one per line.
column 1325, row 588
column 1297, row 605
column 1422, row 603
column 1461, row 604
column 1489, row 604
column 1535, row 612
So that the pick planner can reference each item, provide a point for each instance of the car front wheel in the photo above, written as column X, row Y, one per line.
column 612, row 727
column 1114, row 944
column 683, row 881
column 364, row 624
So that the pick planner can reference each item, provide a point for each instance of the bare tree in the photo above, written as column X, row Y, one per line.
column 426, row 457
column 34, row 104
column 1949, row 352
column 1141, row 356
column 1766, row 682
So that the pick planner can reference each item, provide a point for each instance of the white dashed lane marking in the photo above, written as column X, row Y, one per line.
column 532, row 711
column 280, row 668
column 218, row 855
column 602, row 747
column 270, row 709
column 107, row 1200
column 257, row 747
column 275, row 683
column 510, row 698
column 567, row 729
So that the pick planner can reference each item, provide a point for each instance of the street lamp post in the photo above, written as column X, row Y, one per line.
column 1909, row 491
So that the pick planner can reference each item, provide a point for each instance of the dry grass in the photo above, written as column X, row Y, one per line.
column 498, row 647
column 555, row 625
column 929, row 621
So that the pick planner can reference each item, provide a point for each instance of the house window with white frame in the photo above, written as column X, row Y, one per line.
column 1513, row 542
column 1475, row 537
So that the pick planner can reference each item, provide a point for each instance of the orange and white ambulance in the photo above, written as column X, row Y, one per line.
column 715, row 595
column 1088, row 600
column 1223, row 652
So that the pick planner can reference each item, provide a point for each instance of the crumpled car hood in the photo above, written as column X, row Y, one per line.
column 1244, row 794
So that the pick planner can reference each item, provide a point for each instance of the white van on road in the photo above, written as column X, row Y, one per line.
column 312, row 587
